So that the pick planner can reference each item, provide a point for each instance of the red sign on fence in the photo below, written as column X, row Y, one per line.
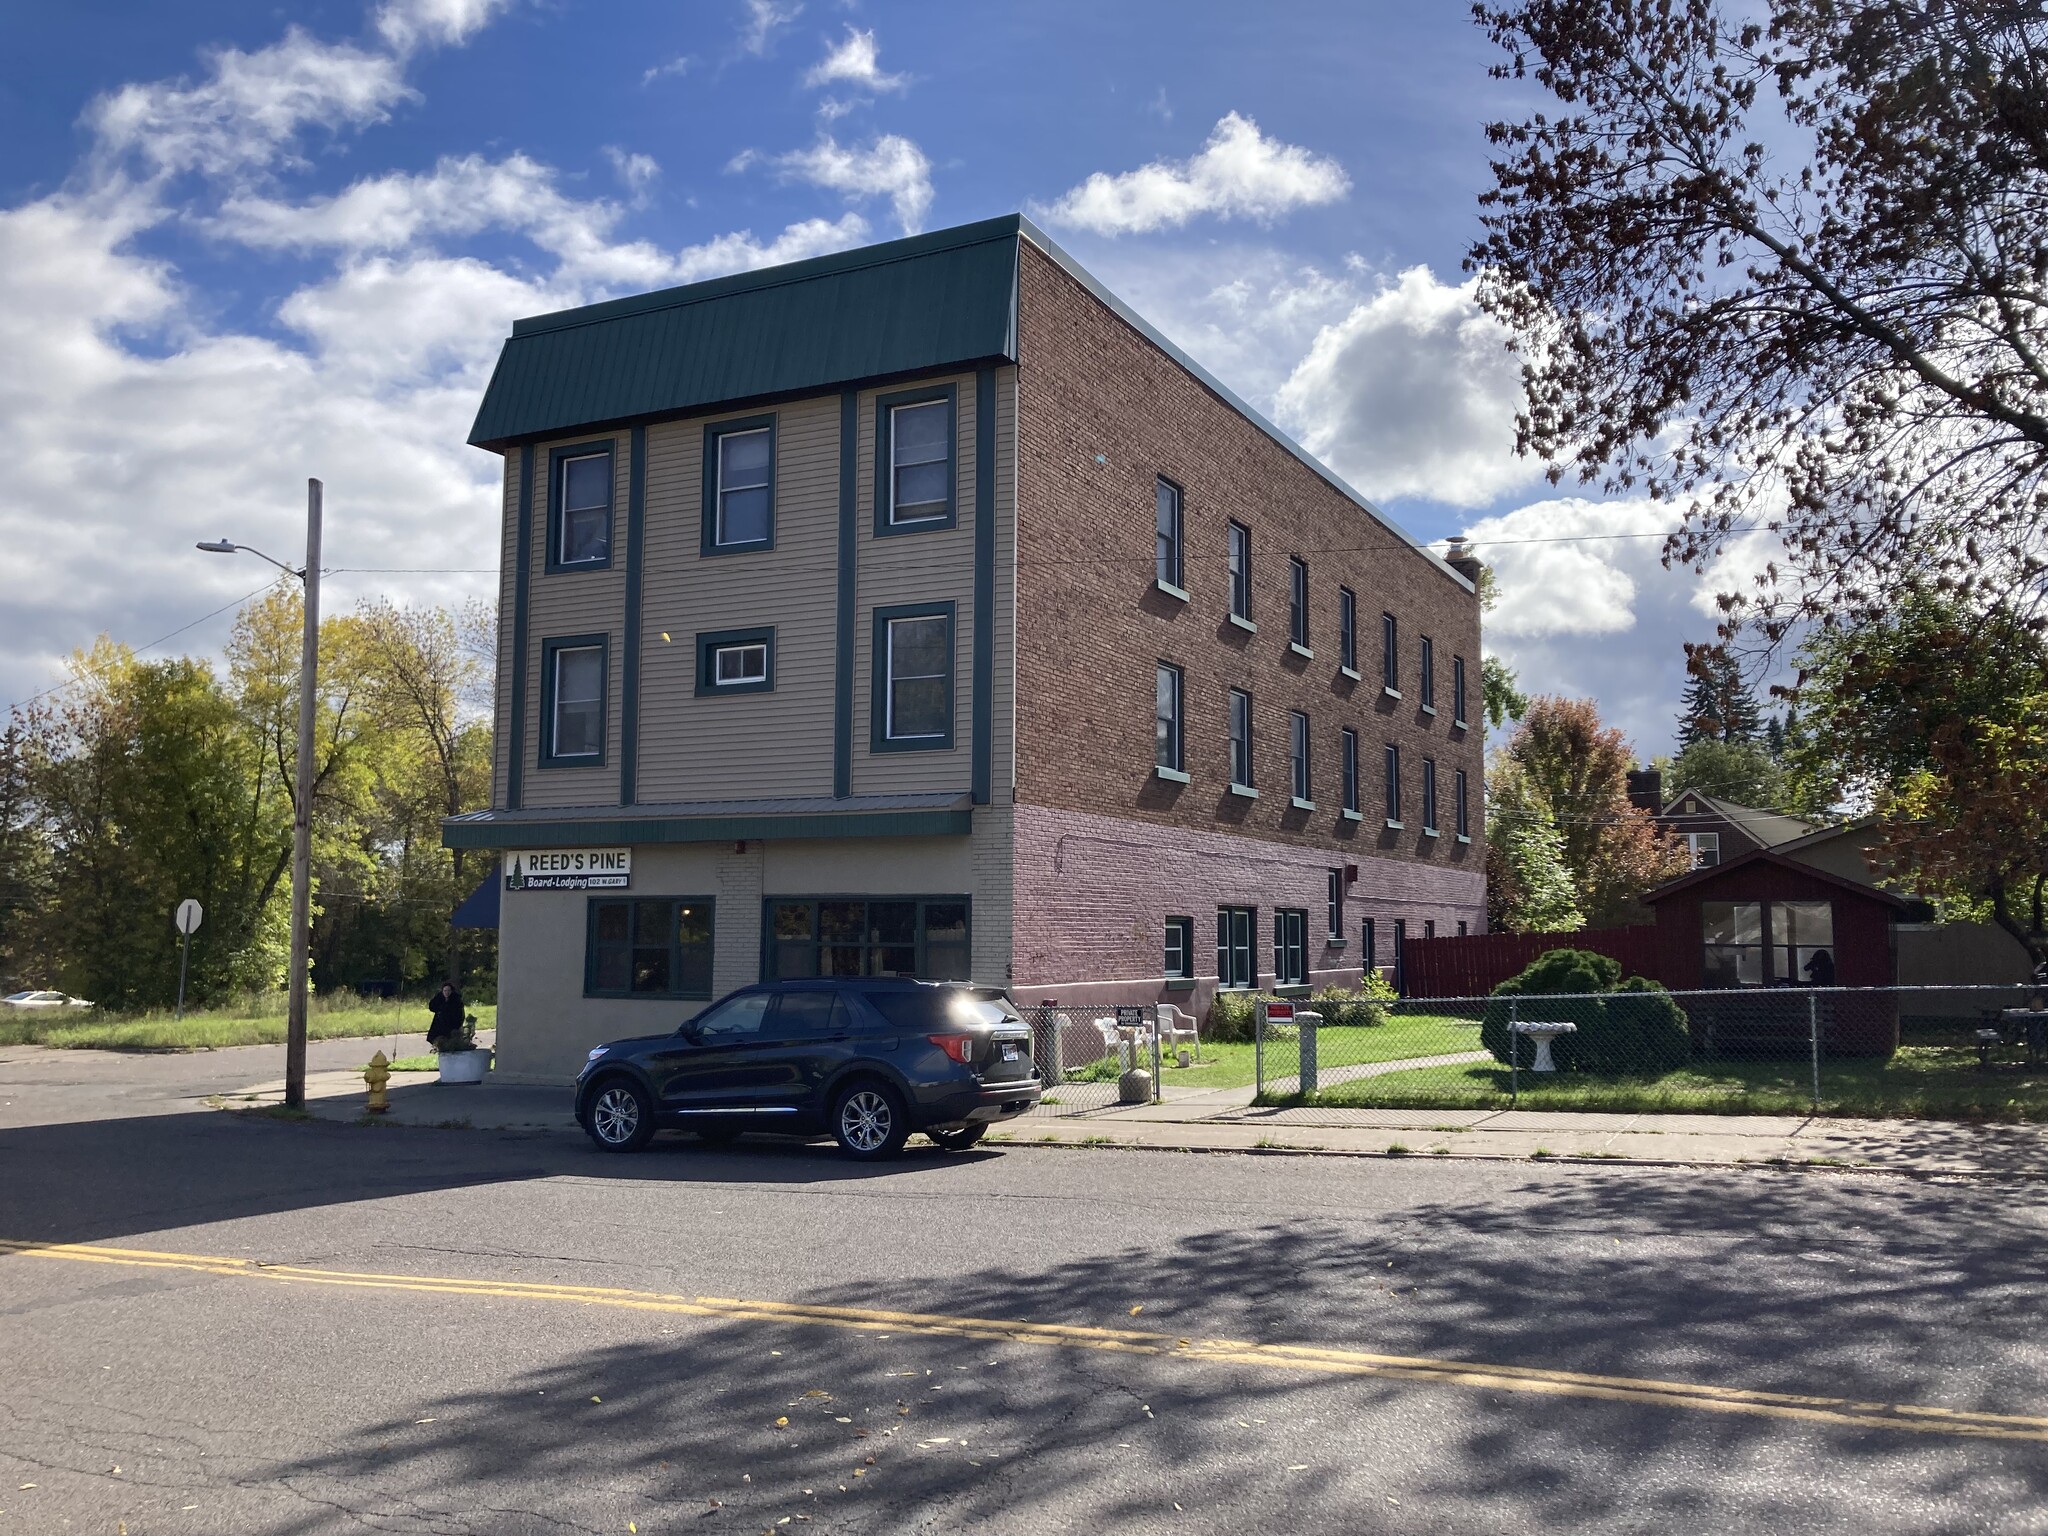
column 1279, row 1011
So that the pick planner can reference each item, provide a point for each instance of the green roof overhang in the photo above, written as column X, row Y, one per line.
column 883, row 816
column 943, row 300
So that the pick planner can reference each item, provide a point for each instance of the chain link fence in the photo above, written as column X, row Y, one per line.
column 1086, row 1054
column 1943, row 1052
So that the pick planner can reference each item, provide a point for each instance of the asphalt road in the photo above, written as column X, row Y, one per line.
column 470, row 1332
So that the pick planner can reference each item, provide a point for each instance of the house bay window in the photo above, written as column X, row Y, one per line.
column 1767, row 943
column 921, row 937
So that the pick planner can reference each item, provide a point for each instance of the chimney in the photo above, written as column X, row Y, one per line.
column 1646, row 789
column 1459, row 557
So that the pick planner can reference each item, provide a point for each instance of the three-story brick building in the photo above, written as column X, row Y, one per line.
column 920, row 609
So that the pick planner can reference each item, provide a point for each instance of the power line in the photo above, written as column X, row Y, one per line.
column 138, row 650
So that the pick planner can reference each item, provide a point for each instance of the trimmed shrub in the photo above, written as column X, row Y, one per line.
column 1233, row 1016
column 1362, row 1005
column 1629, row 1025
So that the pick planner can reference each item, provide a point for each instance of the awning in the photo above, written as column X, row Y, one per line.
column 946, row 813
column 479, row 908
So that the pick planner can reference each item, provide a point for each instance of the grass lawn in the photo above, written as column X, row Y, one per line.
column 254, row 1021
column 1232, row 1065
column 1924, row 1081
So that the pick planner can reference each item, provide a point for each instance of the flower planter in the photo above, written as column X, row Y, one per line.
column 465, row 1066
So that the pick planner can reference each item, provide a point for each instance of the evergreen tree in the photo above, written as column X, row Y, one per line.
column 1718, row 703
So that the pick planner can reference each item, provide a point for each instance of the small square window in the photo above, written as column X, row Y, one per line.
column 736, row 661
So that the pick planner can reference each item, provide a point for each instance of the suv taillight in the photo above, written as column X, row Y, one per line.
column 959, row 1047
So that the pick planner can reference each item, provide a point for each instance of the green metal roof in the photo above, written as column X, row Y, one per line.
column 908, row 306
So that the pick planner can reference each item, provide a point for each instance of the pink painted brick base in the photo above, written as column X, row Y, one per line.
column 1094, row 893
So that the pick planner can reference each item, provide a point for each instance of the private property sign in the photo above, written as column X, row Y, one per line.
column 569, row 869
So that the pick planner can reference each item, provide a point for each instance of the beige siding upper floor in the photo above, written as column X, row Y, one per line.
column 779, row 742
column 743, row 744
column 577, row 602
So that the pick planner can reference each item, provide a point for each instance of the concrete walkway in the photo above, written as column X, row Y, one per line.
column 1226, row 1120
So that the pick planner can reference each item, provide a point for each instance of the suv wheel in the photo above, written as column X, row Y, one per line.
column 960, row 1140
column 621, row 1118
column 868, row 1121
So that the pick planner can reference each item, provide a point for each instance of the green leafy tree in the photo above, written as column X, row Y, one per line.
column 1528, row 885
column 1936, row 718
column 1742, row 771
column 1580, row 767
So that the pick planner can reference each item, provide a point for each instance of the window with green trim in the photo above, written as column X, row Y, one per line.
column 1180, row 949
column 739, row 485
column 1290, row 947
column 657, row 946
column 1236, row 935
column 926, row 937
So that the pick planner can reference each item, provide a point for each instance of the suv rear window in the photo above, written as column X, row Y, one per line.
column 930, row 1008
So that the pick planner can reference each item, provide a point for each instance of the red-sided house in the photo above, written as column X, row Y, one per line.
column 1762, row 924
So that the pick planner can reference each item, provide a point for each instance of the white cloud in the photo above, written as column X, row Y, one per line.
column 411, row 24
column 1239, row 174
column 1413, row 393
column 765, row 18
column 143, row 423
column 637, row 172
column 1588, row 609
column 681, row 64
column 891, row 166
column 250, row 108
column 855, row 61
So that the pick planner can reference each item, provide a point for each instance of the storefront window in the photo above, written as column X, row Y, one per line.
column 649, row 947
column 924, row 937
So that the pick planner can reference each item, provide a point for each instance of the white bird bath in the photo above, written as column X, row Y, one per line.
column 1543, row 1033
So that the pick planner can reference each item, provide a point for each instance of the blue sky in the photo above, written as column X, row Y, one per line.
column 248, row 243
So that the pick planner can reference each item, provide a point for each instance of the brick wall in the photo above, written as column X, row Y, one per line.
column 1103, row 412
column 1094, row 893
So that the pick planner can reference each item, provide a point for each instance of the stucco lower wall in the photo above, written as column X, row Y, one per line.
column 1094, row 893
column 546, row 1026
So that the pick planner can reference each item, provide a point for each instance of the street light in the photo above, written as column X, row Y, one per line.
column 302, row 809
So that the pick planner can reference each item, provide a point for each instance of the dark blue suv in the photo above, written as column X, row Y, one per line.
column 870, row 1060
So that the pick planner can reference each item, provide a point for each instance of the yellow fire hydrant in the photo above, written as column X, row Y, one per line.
column 377, row 1074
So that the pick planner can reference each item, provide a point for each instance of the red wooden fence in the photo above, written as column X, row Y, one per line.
column 1473, row 965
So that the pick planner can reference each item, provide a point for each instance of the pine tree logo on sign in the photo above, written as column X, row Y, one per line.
column 569, row 869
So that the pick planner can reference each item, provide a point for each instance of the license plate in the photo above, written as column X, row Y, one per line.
column 1012, row 1052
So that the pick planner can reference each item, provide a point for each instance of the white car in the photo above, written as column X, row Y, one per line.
column 43, row 1000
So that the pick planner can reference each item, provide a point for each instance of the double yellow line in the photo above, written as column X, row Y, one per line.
column 1909, row 1417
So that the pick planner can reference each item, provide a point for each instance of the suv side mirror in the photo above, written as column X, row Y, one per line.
column 689, row 1031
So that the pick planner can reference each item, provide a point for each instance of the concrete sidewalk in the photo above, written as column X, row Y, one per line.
column 1226, row 1120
